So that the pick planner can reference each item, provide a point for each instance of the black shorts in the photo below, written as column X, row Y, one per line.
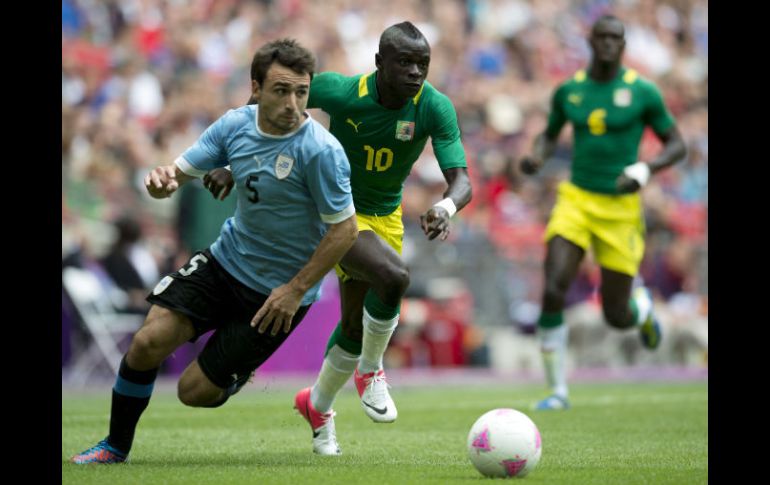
column 213, row 300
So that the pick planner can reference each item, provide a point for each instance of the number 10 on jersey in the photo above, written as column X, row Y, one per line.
column 374, row 158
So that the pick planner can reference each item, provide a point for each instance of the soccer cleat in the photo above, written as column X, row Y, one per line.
column 324, row 433
column 552, row 403
column 649, row 331
column 103, row 452
column 375, row 399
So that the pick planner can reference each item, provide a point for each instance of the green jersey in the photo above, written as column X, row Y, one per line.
column 382, row 144
column 608, row 120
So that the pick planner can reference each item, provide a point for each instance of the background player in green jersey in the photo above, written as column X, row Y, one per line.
column 600, row 207
column 383, row 120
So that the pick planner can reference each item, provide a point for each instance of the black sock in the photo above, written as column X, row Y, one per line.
column 130, row 396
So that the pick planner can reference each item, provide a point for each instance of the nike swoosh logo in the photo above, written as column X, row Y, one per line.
column 376, row 410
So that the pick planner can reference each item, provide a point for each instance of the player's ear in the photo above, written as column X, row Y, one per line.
column 378, row 60
column 255, row 91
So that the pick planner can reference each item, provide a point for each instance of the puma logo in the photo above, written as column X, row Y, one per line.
column 354, row 125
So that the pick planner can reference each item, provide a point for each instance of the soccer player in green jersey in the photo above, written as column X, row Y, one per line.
column 600, row 206
column 383, row 120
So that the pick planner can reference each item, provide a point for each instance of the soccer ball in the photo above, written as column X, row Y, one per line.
column 504, row 443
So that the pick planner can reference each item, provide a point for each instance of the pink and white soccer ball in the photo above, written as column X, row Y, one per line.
column 504, row 443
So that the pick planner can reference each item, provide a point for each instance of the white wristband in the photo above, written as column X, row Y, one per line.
column 639, row 171
column 447, row 204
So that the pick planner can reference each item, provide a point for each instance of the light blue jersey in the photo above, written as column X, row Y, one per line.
column 288, row 188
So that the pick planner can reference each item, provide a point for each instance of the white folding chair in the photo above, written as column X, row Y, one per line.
column 106, row 327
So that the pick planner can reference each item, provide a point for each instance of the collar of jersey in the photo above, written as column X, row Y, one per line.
column 279, row 137
column 622, row 71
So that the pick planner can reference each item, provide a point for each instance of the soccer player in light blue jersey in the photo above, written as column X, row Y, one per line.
column 293, row 222
column 383, row 119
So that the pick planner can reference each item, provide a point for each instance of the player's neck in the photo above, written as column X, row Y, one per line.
column 387, row 98
column 603, row 71
column 268, row 128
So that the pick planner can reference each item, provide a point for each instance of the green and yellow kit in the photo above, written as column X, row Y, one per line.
column 382, row 144
column 608, row 119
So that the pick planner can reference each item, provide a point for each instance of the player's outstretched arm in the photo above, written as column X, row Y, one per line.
column 543, row 148
column 219, row 182
column 637, row 175
column 435, row 221
column 163, row 181
column 283, row 302
column 674, row 150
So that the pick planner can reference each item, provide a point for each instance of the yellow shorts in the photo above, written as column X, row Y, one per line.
column 612, row 224
column 390, row 228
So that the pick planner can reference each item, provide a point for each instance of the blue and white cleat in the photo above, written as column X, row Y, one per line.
column 103, row 452
column 552, row 403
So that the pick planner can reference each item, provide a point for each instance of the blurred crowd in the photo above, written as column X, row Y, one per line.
column 141, row 79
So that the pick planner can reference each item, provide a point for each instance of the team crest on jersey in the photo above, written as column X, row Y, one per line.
column 283, row 165
column 405, row 130
column 162, row 285
column 622, row 97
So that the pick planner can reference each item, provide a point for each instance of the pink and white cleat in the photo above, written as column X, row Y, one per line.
column 324, row 434
column 375, row 399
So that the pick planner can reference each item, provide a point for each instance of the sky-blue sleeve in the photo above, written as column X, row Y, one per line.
column 328, row 179
column 209, row 151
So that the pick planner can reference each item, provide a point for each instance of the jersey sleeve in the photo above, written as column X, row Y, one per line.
column 324, row 88
column 656, row 114
column 557, row 117
column 445, row 135
column 209, row 151
column 328, row 179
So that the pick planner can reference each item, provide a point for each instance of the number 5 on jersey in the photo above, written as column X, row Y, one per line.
column 253, row 179
column 193, row 264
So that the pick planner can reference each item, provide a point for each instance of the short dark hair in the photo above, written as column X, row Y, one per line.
column 287, row 52
column 607, row 18
column 392, row 33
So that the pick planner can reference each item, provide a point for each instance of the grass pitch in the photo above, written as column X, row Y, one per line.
column 634, row 433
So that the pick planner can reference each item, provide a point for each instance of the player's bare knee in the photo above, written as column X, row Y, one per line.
column 145, row 350
column 185, row 394
column 194, row 395
column 395, row 280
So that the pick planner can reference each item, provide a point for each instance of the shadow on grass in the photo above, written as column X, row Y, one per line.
column 266, row 459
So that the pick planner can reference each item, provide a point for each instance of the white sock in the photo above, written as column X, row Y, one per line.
column 643, row 304
column 553, row 347
column 337, row 368
column 377, row 334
